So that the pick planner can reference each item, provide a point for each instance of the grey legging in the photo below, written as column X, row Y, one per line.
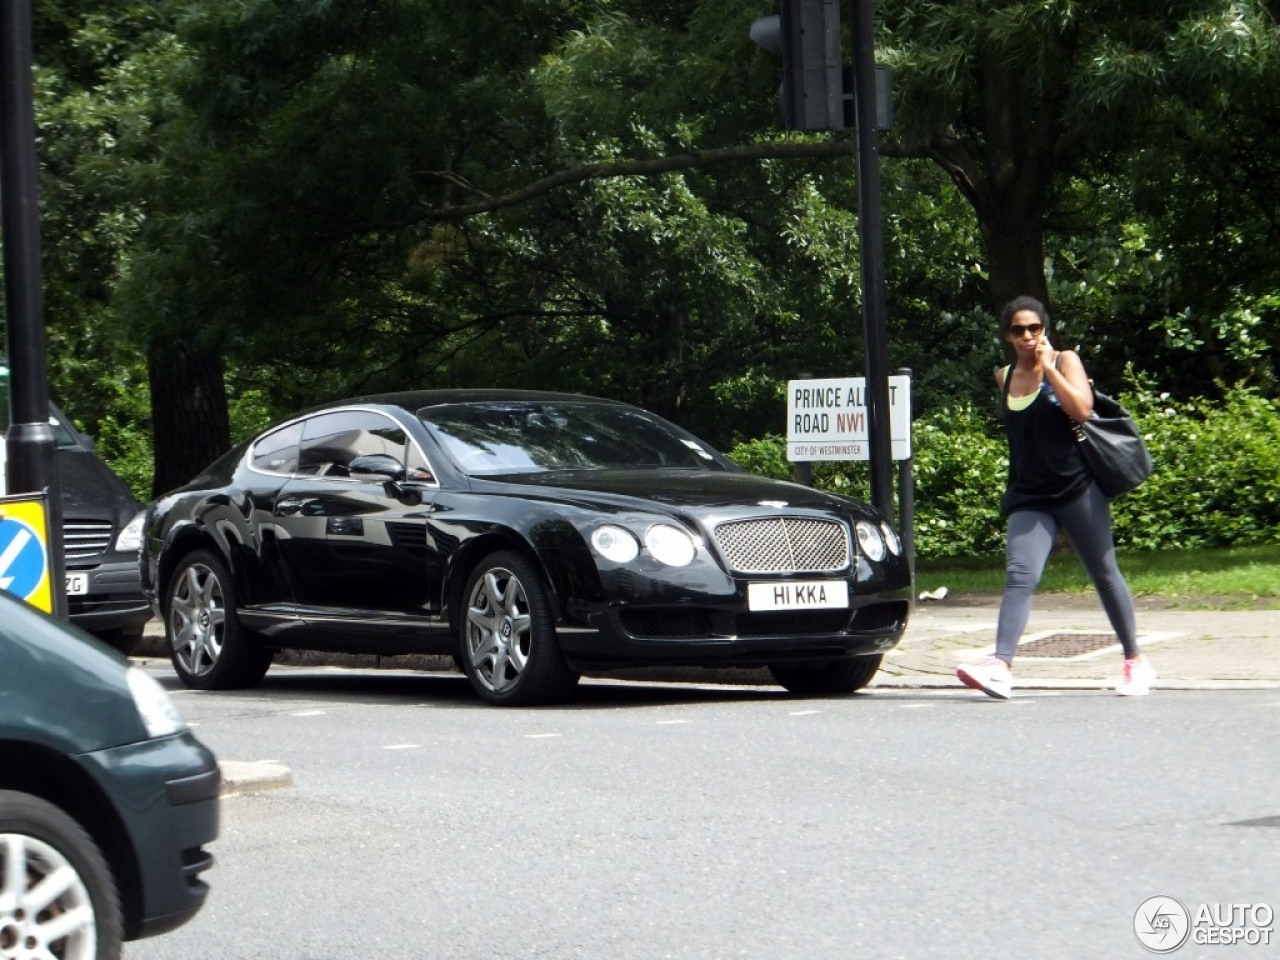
column 1087, row 522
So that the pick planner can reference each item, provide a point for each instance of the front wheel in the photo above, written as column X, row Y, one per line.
column 509, row 648
column 831, row 678
column 208, row 647
column 57, row 895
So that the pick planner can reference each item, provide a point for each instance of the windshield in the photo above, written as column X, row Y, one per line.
column 535, row 436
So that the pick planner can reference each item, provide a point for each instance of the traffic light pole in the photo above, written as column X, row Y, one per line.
column 871, row 247
column 31, row 446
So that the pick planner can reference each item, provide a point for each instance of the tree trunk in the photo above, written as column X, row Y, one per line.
column 1015, row 256
column 188, row 412
column 1005, row 169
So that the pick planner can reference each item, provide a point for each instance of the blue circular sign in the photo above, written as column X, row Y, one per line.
column 22, row 558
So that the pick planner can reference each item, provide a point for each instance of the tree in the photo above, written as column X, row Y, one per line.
column 346, row 195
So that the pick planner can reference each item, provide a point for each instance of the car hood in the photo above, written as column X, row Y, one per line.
column 682, row 489
column 90, row 490
column 45, row 662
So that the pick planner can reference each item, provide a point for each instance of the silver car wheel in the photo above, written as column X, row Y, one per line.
column 197, row 617
column 45, row 906
column 499, row 629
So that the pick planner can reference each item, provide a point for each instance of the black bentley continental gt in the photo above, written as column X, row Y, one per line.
column 532, row 536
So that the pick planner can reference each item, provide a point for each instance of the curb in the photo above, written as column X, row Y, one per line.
column 240, row 777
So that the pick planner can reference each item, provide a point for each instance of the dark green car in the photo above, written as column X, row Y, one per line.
column 106, row 798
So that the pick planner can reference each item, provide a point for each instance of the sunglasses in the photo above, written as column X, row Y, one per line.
column 1018, row 329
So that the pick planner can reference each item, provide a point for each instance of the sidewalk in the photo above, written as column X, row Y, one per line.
column 1068, row 643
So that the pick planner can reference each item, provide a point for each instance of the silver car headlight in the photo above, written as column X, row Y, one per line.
column 870, row 539
column 615, row 543
column 159, row 715
column 130, row 538
column 891, row 539
column 670, row 545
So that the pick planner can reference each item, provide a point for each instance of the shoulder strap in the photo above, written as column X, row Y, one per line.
column 1008, row 376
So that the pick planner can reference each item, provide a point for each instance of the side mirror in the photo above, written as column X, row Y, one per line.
column 377, row 465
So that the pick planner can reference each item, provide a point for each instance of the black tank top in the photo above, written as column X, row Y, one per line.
column 1046, row 470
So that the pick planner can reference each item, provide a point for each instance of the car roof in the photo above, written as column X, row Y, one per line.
column 418, row 399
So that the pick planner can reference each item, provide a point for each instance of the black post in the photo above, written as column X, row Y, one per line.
column 31, row 445
column 871, row 242
column 804, row 468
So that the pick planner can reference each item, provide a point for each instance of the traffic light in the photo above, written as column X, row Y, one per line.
column 817, row 86
column 806, row 34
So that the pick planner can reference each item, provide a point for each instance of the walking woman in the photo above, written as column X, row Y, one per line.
column 1050, row 488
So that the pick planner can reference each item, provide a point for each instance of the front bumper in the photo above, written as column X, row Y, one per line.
column 732, row 636
column 166, row 794
column 114, row 600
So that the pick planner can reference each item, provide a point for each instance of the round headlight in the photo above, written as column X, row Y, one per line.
column 870, row 540
column 614, row 543
column 891, row 538
column 670, row 545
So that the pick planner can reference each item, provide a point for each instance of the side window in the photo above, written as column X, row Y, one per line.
column 277, row 452
column 331, row 441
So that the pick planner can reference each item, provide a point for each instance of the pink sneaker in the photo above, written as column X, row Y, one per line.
column 991, row 675
column 1138, row 677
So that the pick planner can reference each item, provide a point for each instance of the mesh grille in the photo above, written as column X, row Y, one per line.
column 784, row 545
column 85, row 538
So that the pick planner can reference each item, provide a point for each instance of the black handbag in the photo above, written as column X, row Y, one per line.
column 1112, row 447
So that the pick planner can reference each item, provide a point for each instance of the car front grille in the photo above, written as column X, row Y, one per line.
column 82, row 539
column 783, row 545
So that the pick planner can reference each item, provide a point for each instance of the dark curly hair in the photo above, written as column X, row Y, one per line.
column 1018, row 305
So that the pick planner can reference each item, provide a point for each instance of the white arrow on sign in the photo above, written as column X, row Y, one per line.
column 10, row 554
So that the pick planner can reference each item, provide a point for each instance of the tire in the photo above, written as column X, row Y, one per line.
column 831, row 678
column 209, row 648
column 508, row 642
column 38, row 840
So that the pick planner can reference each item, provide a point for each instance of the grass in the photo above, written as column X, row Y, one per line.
column 1217, row 579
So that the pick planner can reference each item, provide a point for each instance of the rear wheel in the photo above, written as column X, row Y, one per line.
column 209, row 648
column 509, row 648
column 57, row 895
column 829, row 678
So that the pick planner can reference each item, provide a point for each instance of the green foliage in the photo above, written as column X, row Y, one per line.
column 1217, row 479
column 270, row 182
column 960, row 467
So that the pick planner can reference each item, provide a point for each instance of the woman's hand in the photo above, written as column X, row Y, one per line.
column 1044, row 354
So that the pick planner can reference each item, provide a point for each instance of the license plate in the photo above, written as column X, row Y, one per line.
column 77, row 584
column 798, row 595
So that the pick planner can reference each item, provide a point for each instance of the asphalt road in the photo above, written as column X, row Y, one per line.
column 649, row 821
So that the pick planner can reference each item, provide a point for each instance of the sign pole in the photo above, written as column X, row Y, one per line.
column 31, row 445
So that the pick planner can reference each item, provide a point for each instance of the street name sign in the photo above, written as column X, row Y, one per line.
column 827, row 419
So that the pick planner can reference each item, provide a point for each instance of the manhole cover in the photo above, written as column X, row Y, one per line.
column 1063, row 646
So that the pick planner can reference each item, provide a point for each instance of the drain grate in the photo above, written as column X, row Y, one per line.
column 1063, row 646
